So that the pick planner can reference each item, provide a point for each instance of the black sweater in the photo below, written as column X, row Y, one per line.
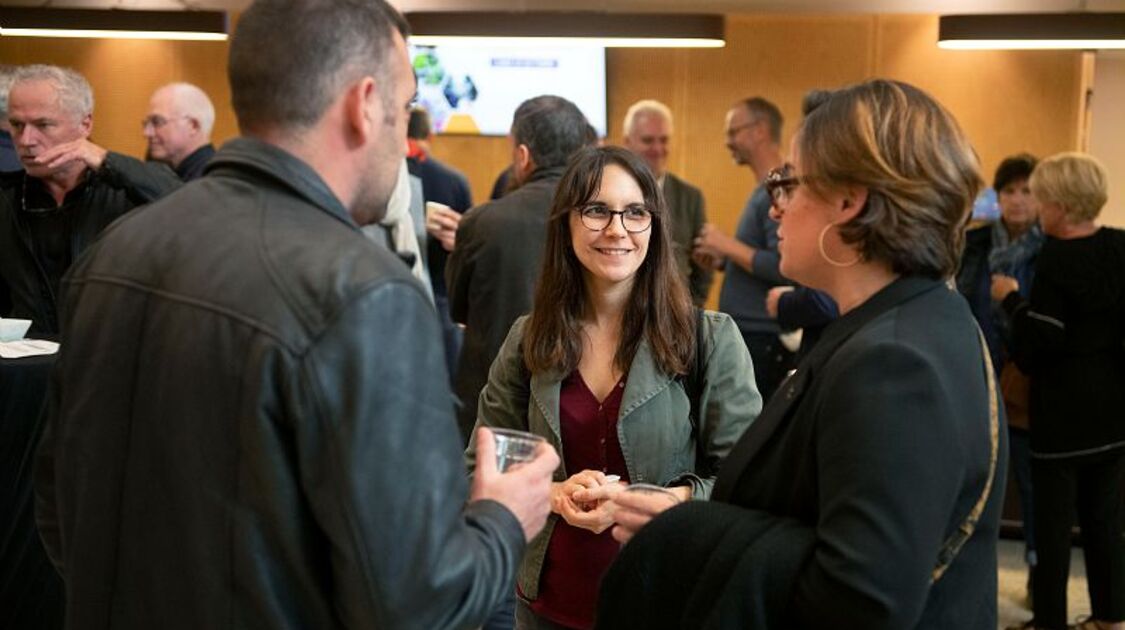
column 1070, row 337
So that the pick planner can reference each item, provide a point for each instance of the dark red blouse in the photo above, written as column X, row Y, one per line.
column 577, row 558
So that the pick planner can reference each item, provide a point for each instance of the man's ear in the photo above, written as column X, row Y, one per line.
column 87, row 125
column 523, row 162
column 760, row 131
column 362, row 109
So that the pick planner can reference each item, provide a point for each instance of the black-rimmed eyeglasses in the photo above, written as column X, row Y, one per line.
column 780, row 183
column 597, row 217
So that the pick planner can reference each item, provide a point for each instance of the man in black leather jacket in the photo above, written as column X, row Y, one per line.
column 250, row 424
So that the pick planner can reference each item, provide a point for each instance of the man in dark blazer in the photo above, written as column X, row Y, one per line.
column 648, row 131
column 491, row 272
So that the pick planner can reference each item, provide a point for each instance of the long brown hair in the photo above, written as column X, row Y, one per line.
column 659, row 307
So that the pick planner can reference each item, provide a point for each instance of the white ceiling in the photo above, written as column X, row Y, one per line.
column 678, row 6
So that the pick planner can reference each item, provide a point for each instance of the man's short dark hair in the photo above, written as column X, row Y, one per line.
column 1013, row 169
column 419, row 127
column 761, row 109
column 553, row 128
column 289, row 59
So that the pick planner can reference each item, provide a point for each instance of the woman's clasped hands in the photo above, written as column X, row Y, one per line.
column 595, row 501
column 583, row 500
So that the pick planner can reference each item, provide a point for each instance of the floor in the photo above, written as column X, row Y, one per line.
column 1013, row 607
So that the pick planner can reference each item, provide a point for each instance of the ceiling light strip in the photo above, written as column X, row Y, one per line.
column 114, row 24
column 567, row 28
column 1028, row 31
column 104, row 34
column 562, row 42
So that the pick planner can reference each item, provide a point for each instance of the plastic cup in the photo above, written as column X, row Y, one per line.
column 13, row 329
column 431, row 206
column 514, row 447
column 653, row 490
column 662, row 493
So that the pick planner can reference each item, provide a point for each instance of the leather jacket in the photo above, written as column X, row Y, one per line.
column 251, row 427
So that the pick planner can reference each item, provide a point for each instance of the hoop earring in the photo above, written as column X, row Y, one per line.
column 824, row 253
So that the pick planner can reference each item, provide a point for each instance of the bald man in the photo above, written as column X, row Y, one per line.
column 178, row 129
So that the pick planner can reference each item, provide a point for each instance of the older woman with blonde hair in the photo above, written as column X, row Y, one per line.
column 867, row 493
column 1070, row 338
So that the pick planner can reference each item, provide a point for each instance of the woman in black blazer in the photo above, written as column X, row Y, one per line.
column 867, row 493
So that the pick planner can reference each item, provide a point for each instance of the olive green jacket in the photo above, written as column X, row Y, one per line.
column 658, row 440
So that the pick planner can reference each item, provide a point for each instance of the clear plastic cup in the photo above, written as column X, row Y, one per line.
column 653, row 490
column 514, row 447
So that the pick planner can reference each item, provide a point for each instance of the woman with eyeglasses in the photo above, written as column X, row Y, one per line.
column 867, row 494
column 607, row 369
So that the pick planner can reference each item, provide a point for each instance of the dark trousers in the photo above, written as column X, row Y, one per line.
column 1093, row 484
column 1019, row 449
column 772, row 361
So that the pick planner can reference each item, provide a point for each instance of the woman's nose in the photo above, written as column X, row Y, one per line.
column 616, row 225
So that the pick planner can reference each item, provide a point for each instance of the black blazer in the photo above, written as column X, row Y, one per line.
column 688, row 214
column 867, row 458
column 490, row 277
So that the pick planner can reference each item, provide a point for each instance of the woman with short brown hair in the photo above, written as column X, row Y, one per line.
column 866, row 495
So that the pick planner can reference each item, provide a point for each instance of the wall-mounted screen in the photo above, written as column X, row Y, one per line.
column 475, row 90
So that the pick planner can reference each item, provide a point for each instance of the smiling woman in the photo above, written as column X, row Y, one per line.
column 611, row 251
column 598, row 370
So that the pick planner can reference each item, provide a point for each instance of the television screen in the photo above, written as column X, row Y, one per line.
column 475, row 90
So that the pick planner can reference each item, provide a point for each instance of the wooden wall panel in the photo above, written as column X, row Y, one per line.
column 480, row 159
column 1108, row 141
column 777, row 57
column 1007, row 101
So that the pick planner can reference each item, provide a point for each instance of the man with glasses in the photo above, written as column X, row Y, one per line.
column 178, row 129
column 648, row 131
column 750, row 259
column 69, row 189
